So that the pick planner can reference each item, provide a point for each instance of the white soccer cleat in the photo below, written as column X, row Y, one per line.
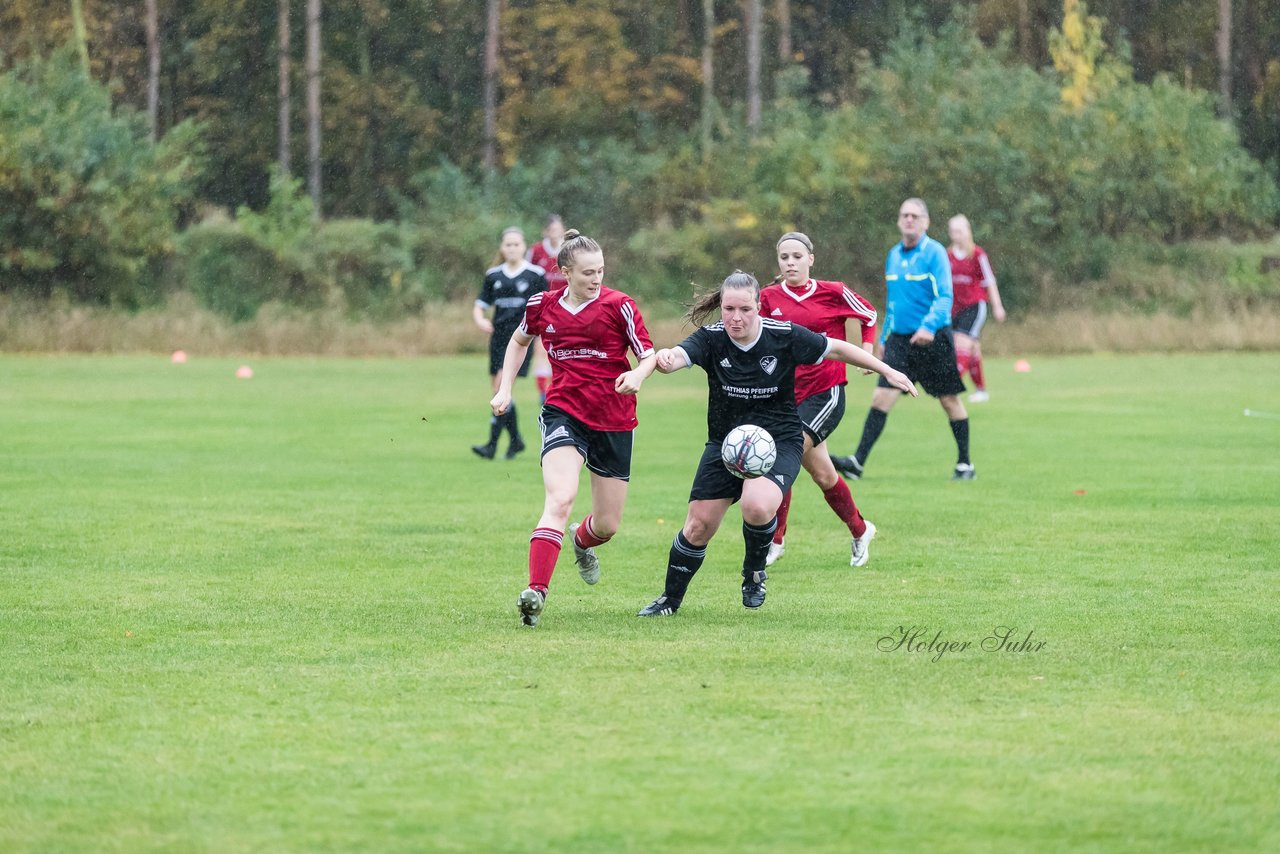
column 979, row 396
column 861, row 548
column 776, row 550
column 588, row 563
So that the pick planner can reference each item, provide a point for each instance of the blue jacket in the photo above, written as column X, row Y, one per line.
column 918, row 285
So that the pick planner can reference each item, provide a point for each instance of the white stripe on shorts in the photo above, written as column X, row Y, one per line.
column 833, row 400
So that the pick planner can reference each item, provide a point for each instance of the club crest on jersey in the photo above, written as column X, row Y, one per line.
column 769, row 364
column 522, row 286
column 777, row 312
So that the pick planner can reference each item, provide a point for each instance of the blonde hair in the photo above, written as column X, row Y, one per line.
column 575, row 242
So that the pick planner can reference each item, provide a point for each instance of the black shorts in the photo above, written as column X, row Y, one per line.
column 933, row 365
column 713, row 480
column 971, row 320
column 608, row 453
column 498, row 352
column 820, row 413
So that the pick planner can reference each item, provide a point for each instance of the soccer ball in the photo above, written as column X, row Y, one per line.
column 748, row 451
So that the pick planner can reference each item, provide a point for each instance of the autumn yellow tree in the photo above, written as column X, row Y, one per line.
column 1080, row 55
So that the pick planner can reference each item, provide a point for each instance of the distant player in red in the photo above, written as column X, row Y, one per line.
column 590, row 412
column 544, row 254
column 825, row 308
column 974, row 284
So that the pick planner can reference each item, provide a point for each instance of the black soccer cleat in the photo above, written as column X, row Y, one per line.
column 663, row 606
column 847, row 466
column 486, row 451
column 964, row 471
column 753, row 589
column 516, row 446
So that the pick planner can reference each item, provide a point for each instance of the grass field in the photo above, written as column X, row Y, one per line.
column 278, row 614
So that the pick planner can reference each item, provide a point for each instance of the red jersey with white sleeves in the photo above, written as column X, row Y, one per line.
column 969, row 278
column 587, row 346
column 540, row 253
column 821, row 307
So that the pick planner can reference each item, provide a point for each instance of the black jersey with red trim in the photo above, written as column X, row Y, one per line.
column 755, row 383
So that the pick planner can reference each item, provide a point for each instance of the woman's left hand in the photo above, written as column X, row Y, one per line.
column 628, row 383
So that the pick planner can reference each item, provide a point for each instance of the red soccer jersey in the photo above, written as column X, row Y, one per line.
column 822, row 307
column 588, row 351
column 540, row 253
column 969, row 277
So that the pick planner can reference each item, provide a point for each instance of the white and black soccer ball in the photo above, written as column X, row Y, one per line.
column 748, row 451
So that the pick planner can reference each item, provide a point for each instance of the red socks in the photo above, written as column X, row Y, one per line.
column 841, row 501
column 544, row 549
column 783, row 509
column 586, row 536
column 975, row 371
column 963, row 361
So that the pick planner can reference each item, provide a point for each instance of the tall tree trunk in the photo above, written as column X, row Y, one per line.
column 153, row 69
column 1024, row 30
column 753, row 66
column 491, row 35
column 782, row 11
column 81, row 33
column 364, row 180
column 282, row 91
column 313, row 105
column 1224, row 58
column 708, row 75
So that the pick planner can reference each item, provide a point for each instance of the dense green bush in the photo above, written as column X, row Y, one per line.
column 278, row 254
column 87, row 205
column 232, row 272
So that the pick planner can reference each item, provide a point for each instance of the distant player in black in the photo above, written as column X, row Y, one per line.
column 751, row 373
column 507, row 288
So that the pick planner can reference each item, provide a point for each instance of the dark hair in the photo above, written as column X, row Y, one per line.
column 574, row 242
column 795, row 235
column 703, row 306
column 552, row 219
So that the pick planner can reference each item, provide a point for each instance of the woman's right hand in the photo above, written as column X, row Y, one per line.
column 486, row 326
column 901, row 381
column 669, row 360
column 501, row 402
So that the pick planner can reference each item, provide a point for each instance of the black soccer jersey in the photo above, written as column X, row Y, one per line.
column 507, row 294
column 754, row 384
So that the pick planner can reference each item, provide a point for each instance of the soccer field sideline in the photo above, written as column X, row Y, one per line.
column 278, row 613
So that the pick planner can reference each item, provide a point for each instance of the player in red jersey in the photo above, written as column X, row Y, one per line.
column 543, row 254
column 975, row 285
column 825, row 308
column 590, row 412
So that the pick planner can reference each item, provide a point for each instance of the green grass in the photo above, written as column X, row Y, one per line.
column 277, row 614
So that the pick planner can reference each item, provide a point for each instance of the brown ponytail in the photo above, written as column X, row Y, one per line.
column 704, row 305
column 574, row 243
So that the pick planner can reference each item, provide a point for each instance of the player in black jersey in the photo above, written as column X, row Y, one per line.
column 751, row 371
column 507, row 287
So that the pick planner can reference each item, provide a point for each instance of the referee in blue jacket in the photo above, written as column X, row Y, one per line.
column 916, row 337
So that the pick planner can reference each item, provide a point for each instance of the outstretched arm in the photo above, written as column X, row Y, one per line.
column 672, row 359
column 630, row 382
column 843, row 351
column 517, row 347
